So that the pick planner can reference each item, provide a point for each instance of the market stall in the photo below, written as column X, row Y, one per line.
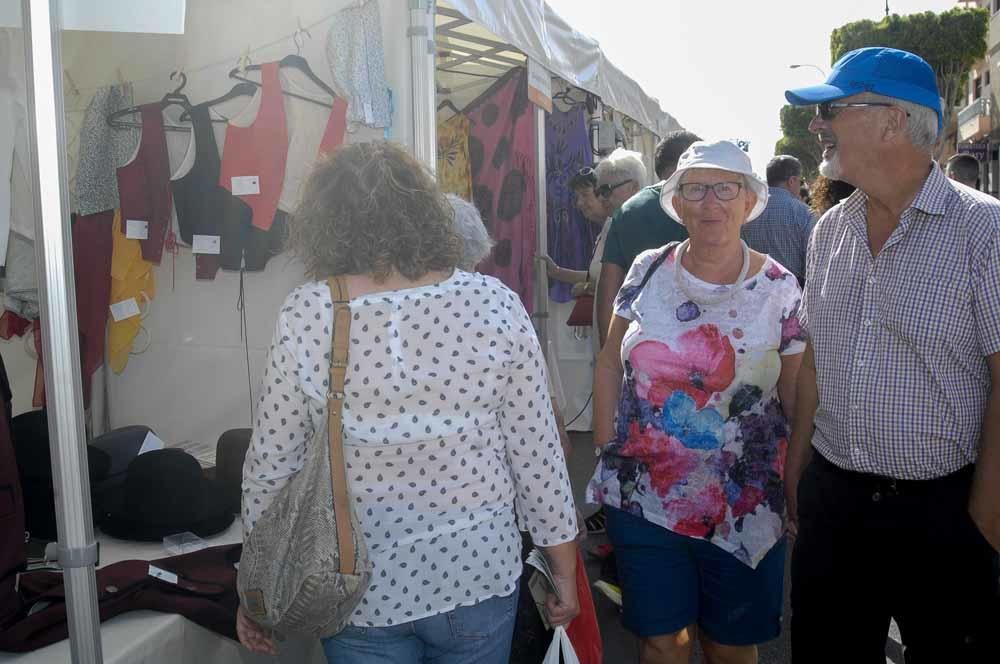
column 152, row 263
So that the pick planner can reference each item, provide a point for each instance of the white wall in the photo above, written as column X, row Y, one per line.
column 191, row 383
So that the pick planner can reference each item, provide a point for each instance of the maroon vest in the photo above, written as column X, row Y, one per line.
column 205, row 593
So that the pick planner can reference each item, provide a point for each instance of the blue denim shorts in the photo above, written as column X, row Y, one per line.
column 670, row 581
column 477, row 634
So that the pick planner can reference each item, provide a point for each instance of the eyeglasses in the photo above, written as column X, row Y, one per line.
column 826, row 112
column 696, row 191
column 586, row 172
column 604, row 191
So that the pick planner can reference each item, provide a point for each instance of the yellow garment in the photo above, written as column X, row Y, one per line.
column 131, row 277
column 454, row 175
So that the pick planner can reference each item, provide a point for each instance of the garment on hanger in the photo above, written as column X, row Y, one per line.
column 256, row 148
column 102, row 151
column 336, row 128
column 93, row 247
column 570, row 236
column 308, row 127
column 502, row 160
column 357, row 62
column 453, row 174
column 144, row 183
column 131, row 277
column 200, row 203
column 20, row 283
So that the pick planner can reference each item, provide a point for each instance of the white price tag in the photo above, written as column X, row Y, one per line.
column 125, row 309
column 206, row 244
column 162, row 574
column 150, row 443
column 246, row 185
column 136, row 229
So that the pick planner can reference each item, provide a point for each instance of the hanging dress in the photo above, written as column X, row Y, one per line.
column 144, row 184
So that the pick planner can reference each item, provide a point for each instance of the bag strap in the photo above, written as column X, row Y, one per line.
column 654, row 266
column 335, row 413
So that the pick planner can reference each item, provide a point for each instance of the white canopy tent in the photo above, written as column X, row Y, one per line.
column 192, row 382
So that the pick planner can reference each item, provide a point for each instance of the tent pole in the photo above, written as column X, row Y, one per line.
column 541, row 233
column 422, row 61
column 61, row 347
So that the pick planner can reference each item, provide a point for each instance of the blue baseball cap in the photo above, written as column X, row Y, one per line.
column 880, row 70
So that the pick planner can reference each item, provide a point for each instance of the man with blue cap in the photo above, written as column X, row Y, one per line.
column 893, row 469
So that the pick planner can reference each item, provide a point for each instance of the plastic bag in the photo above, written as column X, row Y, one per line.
column 560, row 644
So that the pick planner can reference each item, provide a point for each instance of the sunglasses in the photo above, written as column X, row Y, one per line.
column 827, row 111
column 696, row 191
column 604, row 191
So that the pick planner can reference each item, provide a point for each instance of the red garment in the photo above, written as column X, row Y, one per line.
column 336, row 127
column 205, row 594
column 38, row 393
column 502, row 160
column 92, row 247
column 260, row 150
column 12, row 325
column 144, row 183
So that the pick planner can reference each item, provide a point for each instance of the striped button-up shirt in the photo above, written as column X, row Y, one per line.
column 782, row 230
column 901, row 339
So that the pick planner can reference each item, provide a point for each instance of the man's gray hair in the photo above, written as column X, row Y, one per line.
column 621, row 165
column 921, row 122
column 476, row 242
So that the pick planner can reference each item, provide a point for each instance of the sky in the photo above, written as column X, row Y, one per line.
column 721, row 68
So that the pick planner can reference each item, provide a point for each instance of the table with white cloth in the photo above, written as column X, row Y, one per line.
column 151, row 637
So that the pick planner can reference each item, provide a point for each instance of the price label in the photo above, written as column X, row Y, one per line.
column 136, row 229
column 206, row 244
column 125, row 309
column 162, row 574
column 246, row 185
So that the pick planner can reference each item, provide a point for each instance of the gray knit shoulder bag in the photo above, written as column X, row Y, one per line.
column 304, row 566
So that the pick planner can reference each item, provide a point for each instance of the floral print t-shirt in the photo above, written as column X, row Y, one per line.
column 700, row 434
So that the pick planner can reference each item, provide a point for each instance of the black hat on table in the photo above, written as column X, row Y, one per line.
column 164, row 492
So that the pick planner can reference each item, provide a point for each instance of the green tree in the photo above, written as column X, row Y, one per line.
column 797, row 141
column 951, row 42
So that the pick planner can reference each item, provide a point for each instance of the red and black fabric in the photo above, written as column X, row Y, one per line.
column 252, row 227
column 144, row 183
column 336, row 127
column 205, row 594
column 502, row 161
column 13, row 554
column 12, row 325
column 92, row 249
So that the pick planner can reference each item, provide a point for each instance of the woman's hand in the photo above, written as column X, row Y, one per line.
column 562, row 612
column 582, row 288
column 254, row 637
column 550, row 265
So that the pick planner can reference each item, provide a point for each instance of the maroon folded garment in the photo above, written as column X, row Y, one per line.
column 205, row 593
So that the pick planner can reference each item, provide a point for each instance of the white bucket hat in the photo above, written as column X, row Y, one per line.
column 721, row 155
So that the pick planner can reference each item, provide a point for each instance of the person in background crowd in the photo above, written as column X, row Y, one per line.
column 804, row 195
column 893, row 470
column 639, row 225
column 826, row 193
column 476, row 246
column 964, row 168
column 700, row 364
column 445, row 419
column 782, row 231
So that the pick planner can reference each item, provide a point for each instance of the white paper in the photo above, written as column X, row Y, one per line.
column 162, row 574
column 206, row 244
column 246, row 185
column 125, row 309
column 150, row 443
column 136, row 229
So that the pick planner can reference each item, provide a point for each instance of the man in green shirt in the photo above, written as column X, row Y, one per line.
column 639, row 224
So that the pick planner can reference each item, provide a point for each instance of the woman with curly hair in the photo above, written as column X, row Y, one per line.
column 826, row 193
column 447, row 422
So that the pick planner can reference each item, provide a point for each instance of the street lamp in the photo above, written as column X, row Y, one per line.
column 822, row 73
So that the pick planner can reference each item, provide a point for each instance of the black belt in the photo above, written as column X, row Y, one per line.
column 881, row 486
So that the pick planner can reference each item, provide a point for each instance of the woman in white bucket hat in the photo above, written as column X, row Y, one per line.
column 700, row 366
